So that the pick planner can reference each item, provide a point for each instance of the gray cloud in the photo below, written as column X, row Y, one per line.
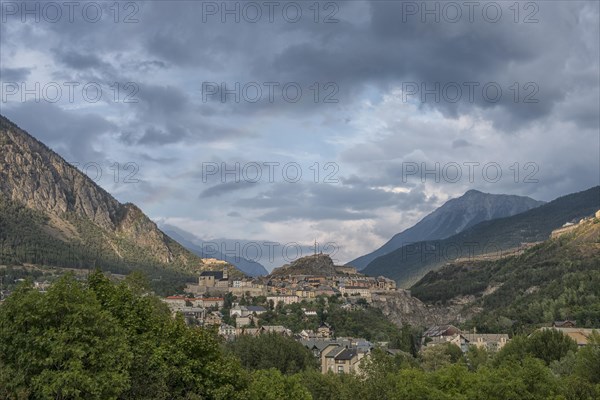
column 72, row 135
column 368, row 54
column 225, row 188
column 14, row 74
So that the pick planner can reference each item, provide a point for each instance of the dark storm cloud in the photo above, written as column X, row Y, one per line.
column 72, row 135
column 385, row 52
column 154, row 136
column 390, row 52
column 14, row 74
column 285, row 201
column 80, row 61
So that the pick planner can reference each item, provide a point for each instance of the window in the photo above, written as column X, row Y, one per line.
column 340, row 369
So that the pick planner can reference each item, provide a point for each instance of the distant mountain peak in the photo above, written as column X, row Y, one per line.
column 454, row 216
column 473, row 192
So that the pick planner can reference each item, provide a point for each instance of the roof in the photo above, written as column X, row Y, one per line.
column 275, row 328
column 215, row 274
column 580, row 335
column 256, row 308
column 439, row 330
column 347, row 354
column 560, row 324
column 486, row 337
column 334, row 352
column 318, row 344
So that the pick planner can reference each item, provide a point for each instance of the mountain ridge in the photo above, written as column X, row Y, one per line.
column 86, row 225
column 409, row 263
column 454, row 216
column 249, row 267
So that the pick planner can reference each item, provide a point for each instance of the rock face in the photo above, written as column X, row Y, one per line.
column 76, row 208
column 403, row 309
column 453, row 217
column 318, row 264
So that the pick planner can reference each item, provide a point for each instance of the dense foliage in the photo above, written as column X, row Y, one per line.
column 101, row 340
column 272, row 351
column 363, row 321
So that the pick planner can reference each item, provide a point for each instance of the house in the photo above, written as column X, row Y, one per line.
column 256, row 310
column 580, row 335
column 227, row 330
column 490, row 341
column 238, row 311
column 565, row 324
column 289, row 299
column 324, row 290
column 324, row 331
column 175, row 303
column 193, row 315
column 307, row 334
column 282, row 330
column 441, row 330
column 447, row 334
column 458, row 340
column 207, row 302
column 356, row 291
column 213, row 318
column 385, row 284
column 341, row 359
column 241, row 322
column 244, row 311
column 214, row 279
column 248, row 331
column 210, row 282
column 316, row 346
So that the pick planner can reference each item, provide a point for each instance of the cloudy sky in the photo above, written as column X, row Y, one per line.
column 342, row 121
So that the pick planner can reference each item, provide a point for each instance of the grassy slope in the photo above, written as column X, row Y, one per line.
column 557, row 279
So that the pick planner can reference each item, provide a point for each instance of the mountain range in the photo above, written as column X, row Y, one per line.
column 497, row 237
column 53, row 214
column 194, row 244
column 451, row 218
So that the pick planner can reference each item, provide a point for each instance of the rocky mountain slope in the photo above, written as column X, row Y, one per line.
column 316, row 264
column 53, row 214
column 409, row 263
column 556, row 280
column 453, row 217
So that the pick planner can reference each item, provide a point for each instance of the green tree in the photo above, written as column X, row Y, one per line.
column 273, row 385
column 477, row 357
column 550, row 345
column 272, row 350
column 171, row 360
column 61, row 345
column 587, row 365
column 434, row 357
